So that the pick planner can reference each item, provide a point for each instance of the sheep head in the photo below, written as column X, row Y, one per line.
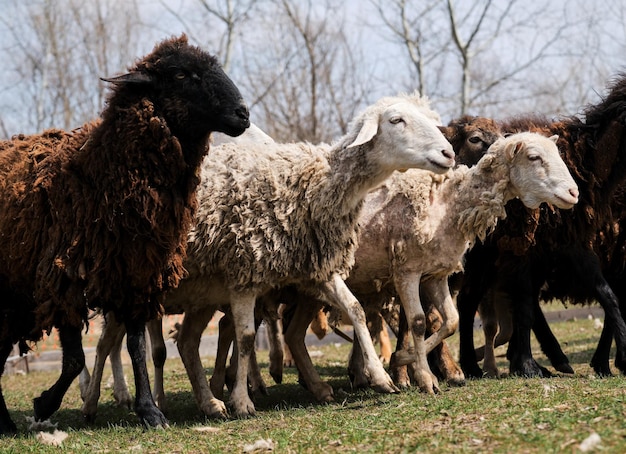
column 406, row 134
column 471, row 137
column 537, row 171
column 189, row 88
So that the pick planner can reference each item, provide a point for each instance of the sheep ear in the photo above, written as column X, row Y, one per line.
column 446, row 131
column 367, row 132
column 554, row 138
column 513, row 149
column 133, row 77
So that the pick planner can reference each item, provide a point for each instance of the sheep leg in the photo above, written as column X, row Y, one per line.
column 7, row 426
column 385, row 343
column 288, row 360
column 189, row 336
column 73, row 362
column 613, row 318
column 399, row 372
column 147, row 411
column 242, row 306
column 440, row 357
column 228, row 374
column 490, row 319
column 600, row 359
column 226, row 335
column 120, row 386
column 439, row 293
column 356, row 367
column 303, row 313
column 159, row 356
column 110, row 342
column 408, row 288
column 549, row 343
column 467, row 304
column 276, row 342
column 337, row 293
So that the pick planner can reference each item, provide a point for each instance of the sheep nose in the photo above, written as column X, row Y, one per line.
column 574, row 192
column 242, row 112
column 448, row 154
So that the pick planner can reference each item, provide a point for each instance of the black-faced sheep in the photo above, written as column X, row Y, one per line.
column 555, row 250
column 99, row 217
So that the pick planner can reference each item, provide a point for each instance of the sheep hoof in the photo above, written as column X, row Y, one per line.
column 215, row 409
column 242, row 408
column 44, row 406
column 7, row 426
column 564, row 368
column 385, row 388
column 124, row 401
column 277, row 375
column 152, row 417
column 456, row 382
column 529, row 368
column 323, row 392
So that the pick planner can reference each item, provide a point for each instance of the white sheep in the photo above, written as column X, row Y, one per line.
column 417, row 226
column 276, row 214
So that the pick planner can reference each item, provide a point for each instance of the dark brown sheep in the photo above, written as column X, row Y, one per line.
column 98, row 217
column 553, row 249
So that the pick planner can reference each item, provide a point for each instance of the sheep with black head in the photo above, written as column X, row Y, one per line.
column 98, row 217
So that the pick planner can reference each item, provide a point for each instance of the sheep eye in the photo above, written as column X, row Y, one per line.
column 534, row 157
column 396, row 120
column 179, row 75
column 474, row 139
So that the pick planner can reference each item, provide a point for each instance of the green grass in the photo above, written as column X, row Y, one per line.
column 506, row 415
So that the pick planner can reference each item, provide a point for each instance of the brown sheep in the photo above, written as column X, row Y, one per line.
column 98, row 217
column 548, row 253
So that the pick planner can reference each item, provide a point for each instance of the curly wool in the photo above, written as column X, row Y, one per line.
column 272, row 214
column 97, row 217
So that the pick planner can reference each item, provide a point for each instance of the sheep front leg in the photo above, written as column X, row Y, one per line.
column 73, row 363
column 224, row 341
column 408, row 288
column 438, row 291
column 242, row 306
column 7, row 426
column 276, row 341
column 159, row 355
column 337, row 293
column 189, row 336
column 110, row 342
column 489, row 319
column 146, row 409
column 294, row 338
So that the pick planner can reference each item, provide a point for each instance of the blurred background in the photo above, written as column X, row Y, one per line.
column 306, row 67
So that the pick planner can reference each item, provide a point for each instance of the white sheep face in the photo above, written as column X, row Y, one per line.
column 406, row 137
column 538, row 173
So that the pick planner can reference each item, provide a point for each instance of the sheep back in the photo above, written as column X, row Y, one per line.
column 264, row 217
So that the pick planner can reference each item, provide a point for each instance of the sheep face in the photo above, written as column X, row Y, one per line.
column 471, row 137
column 189, row 87
column 406, row 136
column 538, row 174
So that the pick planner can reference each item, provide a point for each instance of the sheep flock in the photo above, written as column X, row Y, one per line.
column 400, row 219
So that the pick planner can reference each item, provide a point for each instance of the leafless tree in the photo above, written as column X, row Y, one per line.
column 489, row 49
column 58, row 50
column 231, row 16
column 305, row 78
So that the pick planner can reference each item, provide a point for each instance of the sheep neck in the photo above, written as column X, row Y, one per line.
column 351, row 176
column 482, row 193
